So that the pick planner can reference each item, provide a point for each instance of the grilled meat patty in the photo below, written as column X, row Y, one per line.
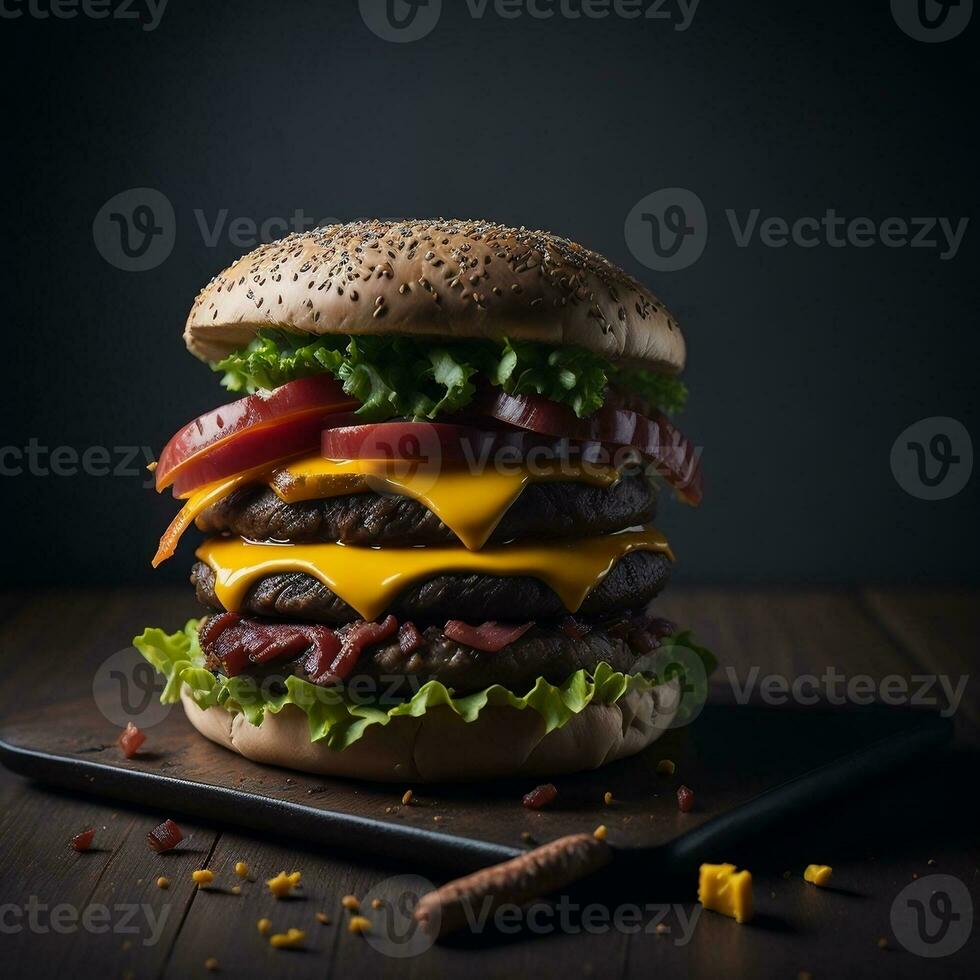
column 397, row 667
column 543, row 510
column 630, row 584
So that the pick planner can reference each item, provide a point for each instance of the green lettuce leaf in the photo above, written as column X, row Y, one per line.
column 421, row 379
column 339, row 722
column 667, row 393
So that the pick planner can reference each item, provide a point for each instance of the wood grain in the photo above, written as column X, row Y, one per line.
column 876, row 840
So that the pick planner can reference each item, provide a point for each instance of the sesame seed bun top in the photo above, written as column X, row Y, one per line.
column 448, row 279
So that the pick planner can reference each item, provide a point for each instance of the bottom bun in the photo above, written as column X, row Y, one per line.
column 440, row 747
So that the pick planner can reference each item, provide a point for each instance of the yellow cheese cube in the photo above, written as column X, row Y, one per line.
column 818, row 874
column 723, row 889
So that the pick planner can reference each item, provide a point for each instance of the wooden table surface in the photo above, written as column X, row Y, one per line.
column 918, row 822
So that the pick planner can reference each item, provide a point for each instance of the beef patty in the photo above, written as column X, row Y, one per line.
column 543, row 510
column 545, row 651
column 552, row 652
column 631, row 583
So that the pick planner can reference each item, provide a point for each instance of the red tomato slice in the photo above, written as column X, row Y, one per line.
column 426, row 442
column 653, row 435
column 307, row 399
column 265, row 444
column 422, row 442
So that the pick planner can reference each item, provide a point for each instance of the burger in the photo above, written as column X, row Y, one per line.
column 430, row 551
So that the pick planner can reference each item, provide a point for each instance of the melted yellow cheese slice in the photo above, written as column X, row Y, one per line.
column 369, row 579
column 471, row 503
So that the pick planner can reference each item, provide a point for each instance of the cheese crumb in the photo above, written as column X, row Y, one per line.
column 600, row 833
column 818, row 874
column 283, row 884
column 287, row 940
column 359, row 924
column 666, row 767
column 202, row 876
column 163, row 882
column 264, row 925
column 241, row 869
column 607, row 798
column 350, row 903
column 723, row 889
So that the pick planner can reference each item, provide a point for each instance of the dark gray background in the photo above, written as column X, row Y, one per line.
column 804, row 366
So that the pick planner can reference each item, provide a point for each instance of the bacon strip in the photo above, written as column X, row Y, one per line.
column 231, row 643
column 491, row 637
column 570, row 626
column 355, row 639
column 409, row 639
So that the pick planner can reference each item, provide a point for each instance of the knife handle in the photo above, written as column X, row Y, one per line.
column 545, row 869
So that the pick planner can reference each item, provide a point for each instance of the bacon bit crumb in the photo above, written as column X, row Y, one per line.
column 527, row 838
column 241, row 869
column 350, row 903
column 202, row 876
column 540, row 796
column 152, row 466
column 163, row 882
column 264, row 925
column 931, row 861
column 211, row 963
column 662, row 930
column 130, row 739
column 376, row 903
column 83, row 841
column 323, row 918
column 289, row 939
column 607, row 798
column 600, row 833
column 359, row 924
column 283, row 884
column 165, row 837
column 666, row 767
column 407, row 798
column 685, row 799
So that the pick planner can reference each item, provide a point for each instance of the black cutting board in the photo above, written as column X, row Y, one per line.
column 748, row 766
